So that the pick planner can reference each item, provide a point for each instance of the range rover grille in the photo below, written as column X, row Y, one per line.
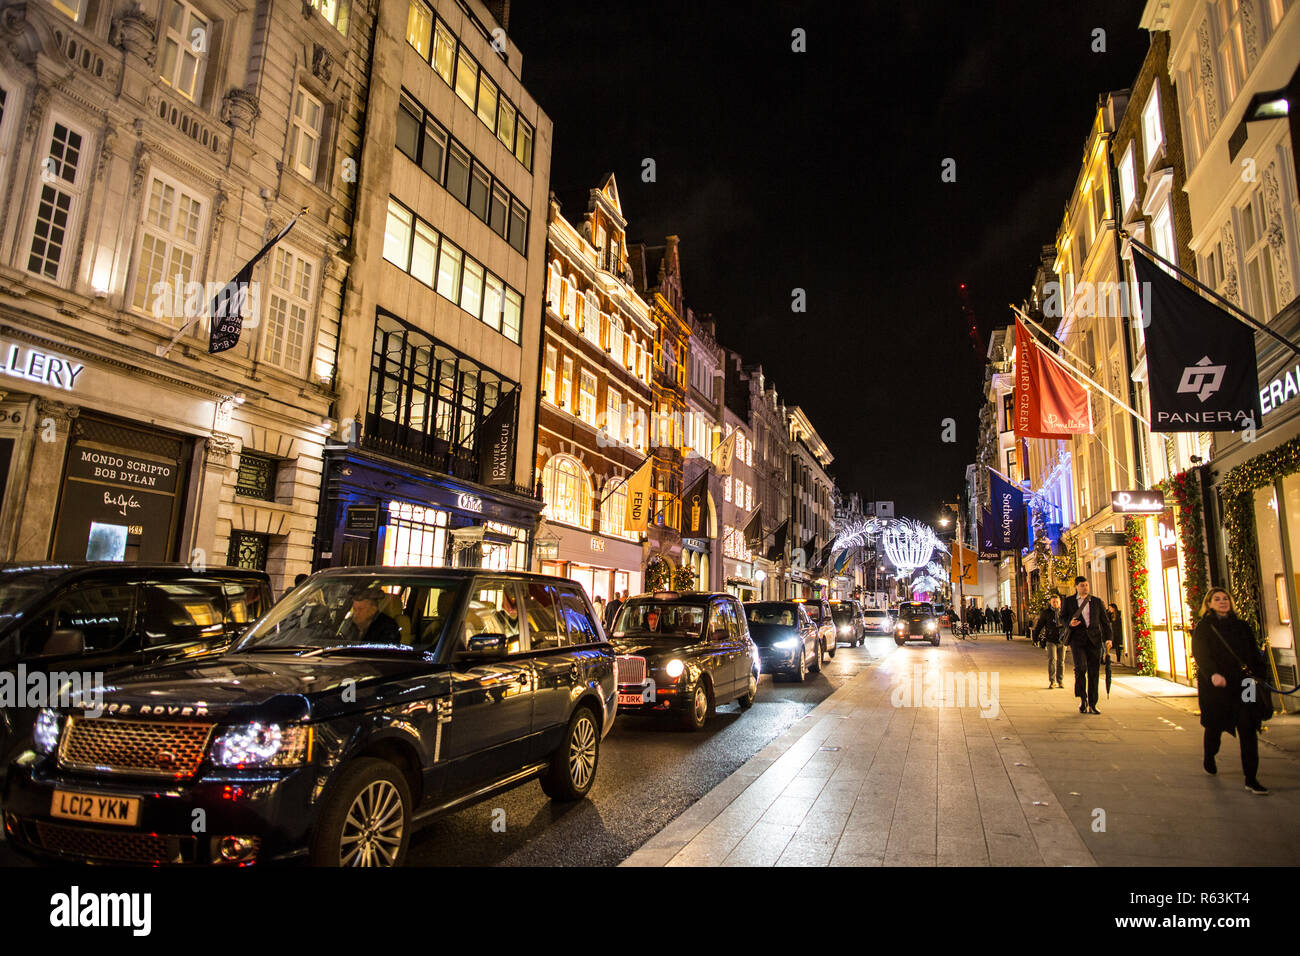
column 143, row 747
column 110, row 846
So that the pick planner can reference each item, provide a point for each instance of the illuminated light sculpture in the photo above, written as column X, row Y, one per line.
column 924, row 584
column 935, row 569
column 909, row 543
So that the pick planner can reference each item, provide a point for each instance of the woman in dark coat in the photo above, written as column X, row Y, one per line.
column 1116, row 629
column 1219, row 636
column 1008, row 622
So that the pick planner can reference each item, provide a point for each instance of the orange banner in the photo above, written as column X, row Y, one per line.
column 1049, row 402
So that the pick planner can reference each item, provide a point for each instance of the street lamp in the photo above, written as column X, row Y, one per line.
column 1270, row 105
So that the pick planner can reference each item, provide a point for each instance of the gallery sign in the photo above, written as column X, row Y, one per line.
column 1137, row 502
column 34, row 365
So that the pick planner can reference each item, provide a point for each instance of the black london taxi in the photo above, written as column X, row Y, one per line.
column 97, row 616
column 788, row 641
column 916, row 621
column 366, row 702
column 684, row 653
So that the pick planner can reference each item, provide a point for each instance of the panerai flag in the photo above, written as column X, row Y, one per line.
column 637, row 515
column 229, row 304
column 1010, row 526
column 724, row 453
column 1201, row 366
column 1049, row 403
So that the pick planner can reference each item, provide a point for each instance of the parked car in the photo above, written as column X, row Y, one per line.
column 878, row 621
column 95, row 617
column 819, row 612
column 849, row 625
column 364, row 704
column 916, row 622
column 788, row 642
column 684, row 654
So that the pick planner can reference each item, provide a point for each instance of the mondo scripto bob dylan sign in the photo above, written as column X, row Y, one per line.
column 1138, row 502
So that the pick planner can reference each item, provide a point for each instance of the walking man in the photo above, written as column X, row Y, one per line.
column 1008, row 622
column 1087, row 629
column 1047, row 629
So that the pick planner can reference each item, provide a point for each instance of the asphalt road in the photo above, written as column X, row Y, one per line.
column 649, row 772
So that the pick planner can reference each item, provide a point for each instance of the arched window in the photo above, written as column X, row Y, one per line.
column 591, row 319
column 616, row 338
column 566, row 490
column 613, row 510
column 571, row 302
column 555, row 288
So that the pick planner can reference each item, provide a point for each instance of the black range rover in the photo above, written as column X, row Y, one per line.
column 684, row 653
column 364, row 704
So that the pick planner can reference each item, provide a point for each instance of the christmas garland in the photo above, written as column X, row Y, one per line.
column 684, row 579
column 1185, row 490
column 1138, row 597
column 1237, row 490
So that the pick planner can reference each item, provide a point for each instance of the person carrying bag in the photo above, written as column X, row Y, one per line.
column 1230, row 686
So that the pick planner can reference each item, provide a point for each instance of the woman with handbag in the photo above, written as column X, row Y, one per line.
column 1227, row 660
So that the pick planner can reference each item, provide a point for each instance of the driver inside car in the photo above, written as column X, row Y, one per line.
column 367, row 624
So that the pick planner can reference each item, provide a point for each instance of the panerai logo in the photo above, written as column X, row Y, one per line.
column 1203, row 378
column 75, row 909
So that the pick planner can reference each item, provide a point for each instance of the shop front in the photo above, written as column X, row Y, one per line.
column 381, row 511
column 602, row 564
column 1169, row 617
column 696, row 555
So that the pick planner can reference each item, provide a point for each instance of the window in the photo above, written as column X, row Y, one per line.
column 305, row 133
column 613, row 413
column 449, row 260
column 493, row 301
column 288, row 307
column 512, row 318
column 587, row 398
column 397, row 234
column 591, row 318
column 169, row 245
column 571, row 301
column 493, row 610
column 567, row 491
column 419, row 27
column 101, row 613
column 444, row 51
column 726, row 488
column 506, row 123
column 548, row 375
column 1232, row 49
column 333, row 12
column 487, row 102
column 479, row 186
column 1127, row 180
column 185, row 42
column 1260, row 292
column 435, row 149
column 247, row 550
column 554, row 288
column 458, row 164
column 524, row 145
column 566, row 384
column 54, row 209
column 518, row 227
column 409, row 115
column 471, row 288
column 183, row 612
column 497, row 215
column 424, row 253
column 1008, row 411
column 575, row 616
column 256, row 477
column 69, row 8
column 1153, row 132
column 544, row 628
column 466, row 78
column 613, row 509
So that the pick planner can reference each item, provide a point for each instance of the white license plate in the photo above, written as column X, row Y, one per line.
column 92, row 808
column 633, row 699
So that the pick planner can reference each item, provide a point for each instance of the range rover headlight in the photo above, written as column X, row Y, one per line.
column 262, row 745
column 674, row 668
column 787, row 643
column 46, row 731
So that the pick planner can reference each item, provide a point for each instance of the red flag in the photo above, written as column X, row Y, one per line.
column 1049, row 402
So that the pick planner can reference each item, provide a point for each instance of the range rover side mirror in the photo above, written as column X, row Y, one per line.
column 486, row 646
column 65, row 642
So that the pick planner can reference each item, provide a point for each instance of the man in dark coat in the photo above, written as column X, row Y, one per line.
column 611, row 611
column 368, row 624
column 1047, row 629
column 1087, row 630
column 1008, row 621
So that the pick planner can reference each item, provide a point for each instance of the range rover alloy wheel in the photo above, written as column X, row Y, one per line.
column 366, row 820
column 573, row 765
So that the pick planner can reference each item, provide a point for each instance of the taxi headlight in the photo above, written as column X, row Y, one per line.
column 674, row 668
column 262, row 745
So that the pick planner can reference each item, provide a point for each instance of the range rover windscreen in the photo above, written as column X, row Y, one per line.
column 369, row 611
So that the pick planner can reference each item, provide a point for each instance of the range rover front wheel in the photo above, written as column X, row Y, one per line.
column 366, row 820
column 573, row 765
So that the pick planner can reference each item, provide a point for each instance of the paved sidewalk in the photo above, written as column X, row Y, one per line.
column 882, row 773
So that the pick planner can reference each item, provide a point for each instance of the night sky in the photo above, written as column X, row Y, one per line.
column 821, row 171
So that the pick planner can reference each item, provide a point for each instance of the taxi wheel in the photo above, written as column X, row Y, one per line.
column 747, row 699
column 832, row 646
column 816, row 666
column 366, row 820
column 935, row 640
column 573, row 765
column 801, row 674
column 697, row 711
column 899, row 641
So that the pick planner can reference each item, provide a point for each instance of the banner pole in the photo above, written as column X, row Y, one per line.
column 1237, row 312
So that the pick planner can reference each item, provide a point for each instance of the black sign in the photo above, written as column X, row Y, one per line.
column 497, row 442
column 1112, row 539
column 1138, row 502
column 234, row 298
column 695, row 508
column 363, row 518
column 1202, row 370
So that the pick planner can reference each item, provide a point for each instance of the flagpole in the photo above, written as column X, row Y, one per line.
column 1080, row 375
column 622, row 481
column 1239, row 313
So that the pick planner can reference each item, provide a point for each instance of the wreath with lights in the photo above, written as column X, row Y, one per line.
column 658, row 573
column 1139, row 596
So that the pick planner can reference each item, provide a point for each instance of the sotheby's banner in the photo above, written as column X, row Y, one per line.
column 1201, row 361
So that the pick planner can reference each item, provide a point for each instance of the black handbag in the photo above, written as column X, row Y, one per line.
column 1263, row 697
